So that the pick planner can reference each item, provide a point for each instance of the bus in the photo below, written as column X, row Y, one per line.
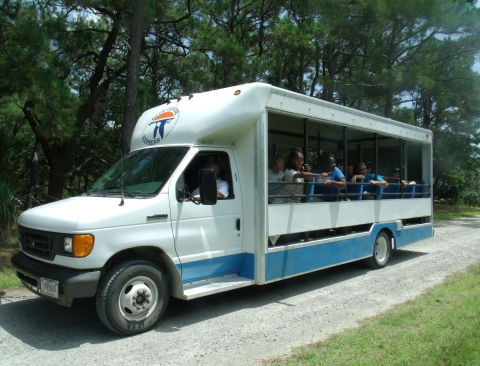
column 140, row 235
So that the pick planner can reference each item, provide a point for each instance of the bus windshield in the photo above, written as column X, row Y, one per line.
column 144, row 173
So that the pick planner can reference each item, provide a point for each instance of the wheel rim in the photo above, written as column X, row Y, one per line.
column 381, row 248
column 138, row 298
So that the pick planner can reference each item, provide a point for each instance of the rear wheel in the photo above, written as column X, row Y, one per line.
column 382, row 250
column 132, row 297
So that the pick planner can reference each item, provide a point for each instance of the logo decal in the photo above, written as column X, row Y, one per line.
column 160, row 126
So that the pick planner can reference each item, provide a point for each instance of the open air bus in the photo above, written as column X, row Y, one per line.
column 138, row 235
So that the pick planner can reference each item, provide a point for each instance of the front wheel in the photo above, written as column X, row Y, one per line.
column 381, row 251
column 132, row 297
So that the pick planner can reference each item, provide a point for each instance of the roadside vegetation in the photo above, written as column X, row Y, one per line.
column 8, row 279
column 8, row 247
column 445, row 211
column 442, row 327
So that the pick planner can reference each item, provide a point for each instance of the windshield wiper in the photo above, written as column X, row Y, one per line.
column 125, row 190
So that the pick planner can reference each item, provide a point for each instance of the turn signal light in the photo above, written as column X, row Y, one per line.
column 82, row 245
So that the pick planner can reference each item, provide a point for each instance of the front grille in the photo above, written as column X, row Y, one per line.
column 38, row 243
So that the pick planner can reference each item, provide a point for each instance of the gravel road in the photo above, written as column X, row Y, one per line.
column 241, row 327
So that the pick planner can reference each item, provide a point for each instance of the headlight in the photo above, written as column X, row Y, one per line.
column 68, row 245
column 79, row 245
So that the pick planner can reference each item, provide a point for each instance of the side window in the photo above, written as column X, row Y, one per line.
column 213, row 160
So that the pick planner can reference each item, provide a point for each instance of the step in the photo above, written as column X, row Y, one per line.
column 214, row 285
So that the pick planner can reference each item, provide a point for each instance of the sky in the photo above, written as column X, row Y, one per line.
column 476, row 66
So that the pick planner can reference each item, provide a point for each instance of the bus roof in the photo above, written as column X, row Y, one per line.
column 220, row 116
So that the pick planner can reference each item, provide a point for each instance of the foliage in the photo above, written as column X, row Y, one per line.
column 63, row 91
column 8, row 279
column 460, row 186
column 446, row 211
column 8, row 209
column 468, row 186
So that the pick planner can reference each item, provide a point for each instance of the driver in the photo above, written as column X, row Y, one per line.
column 222, row 186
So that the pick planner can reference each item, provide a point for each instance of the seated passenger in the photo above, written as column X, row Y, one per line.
column 369, row 178
column 396, row 176
column 222, row 186
column 297, row 172
column 333, row 183
column 350, row 169
column 275, row 174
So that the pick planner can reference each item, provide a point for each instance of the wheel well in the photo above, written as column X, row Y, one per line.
column 150, row 254
column 153, row 255
column 390, row 235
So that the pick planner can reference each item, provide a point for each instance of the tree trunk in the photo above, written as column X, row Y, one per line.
column 389, row 93
column 62, row 155
column 133, row 69
column 301, row 71
column 331, row 71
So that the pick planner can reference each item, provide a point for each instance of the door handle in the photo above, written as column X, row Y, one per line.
column 238, row 224
column 157, row 216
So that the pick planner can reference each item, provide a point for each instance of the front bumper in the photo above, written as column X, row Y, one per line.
column 72, row 283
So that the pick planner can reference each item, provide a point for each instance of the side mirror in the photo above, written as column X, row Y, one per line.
column 180, row 195
column 207, row 183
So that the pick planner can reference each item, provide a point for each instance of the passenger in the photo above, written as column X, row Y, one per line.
column 396, row 176
column 222, row 186
column 275, row 174
column 350, row 169
column 369, row 178
column 333, row 183
column 350, row 173
column 297, row 172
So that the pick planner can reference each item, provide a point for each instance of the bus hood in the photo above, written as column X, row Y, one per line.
column 83, row 214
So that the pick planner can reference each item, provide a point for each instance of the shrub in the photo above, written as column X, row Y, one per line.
column 460, row 186
column 8, row 209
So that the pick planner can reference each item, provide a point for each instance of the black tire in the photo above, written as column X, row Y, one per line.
column 132, row 297
column 382, row 250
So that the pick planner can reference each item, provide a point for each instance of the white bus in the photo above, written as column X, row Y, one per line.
column 137, row 237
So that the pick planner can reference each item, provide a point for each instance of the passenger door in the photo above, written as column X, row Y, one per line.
column 208, row 239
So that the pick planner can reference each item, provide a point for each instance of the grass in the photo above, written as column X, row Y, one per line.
column 445, row 212
column 442, row 327
column 8, row 247
column 8, row 279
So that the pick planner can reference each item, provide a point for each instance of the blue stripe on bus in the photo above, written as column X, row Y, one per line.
column 296, row 261
column 413, row 235
column 220, row 266
column 247, row 270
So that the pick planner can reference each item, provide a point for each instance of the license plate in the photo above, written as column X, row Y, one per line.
column 49, row 287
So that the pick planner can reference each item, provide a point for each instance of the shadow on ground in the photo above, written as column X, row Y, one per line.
column 48, row 326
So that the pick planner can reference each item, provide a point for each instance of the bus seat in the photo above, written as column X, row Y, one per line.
column 391, row 189
column 379, row 192
column 311, row 190
column 408, row 192
column 357, row 188
column 422, row 189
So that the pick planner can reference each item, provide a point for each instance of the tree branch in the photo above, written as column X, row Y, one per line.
column 78, row 169
column 186, row 16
